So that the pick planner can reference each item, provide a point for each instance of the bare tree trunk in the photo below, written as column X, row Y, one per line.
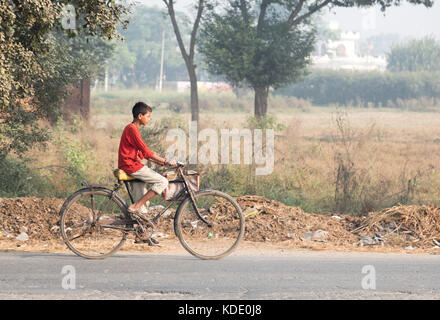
column 260, row 106
column 189, row 58
column 262, row 93
column 194, row 95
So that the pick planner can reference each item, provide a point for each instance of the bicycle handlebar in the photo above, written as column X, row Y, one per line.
column 180, row 164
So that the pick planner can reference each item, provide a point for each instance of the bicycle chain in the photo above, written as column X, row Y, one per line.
column 144, row 229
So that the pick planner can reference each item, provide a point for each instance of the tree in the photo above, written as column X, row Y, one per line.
column 188, row 56
column 266, row 43
column 416, row 55
column 137, row 58
column 244, row 46
column 36, row 58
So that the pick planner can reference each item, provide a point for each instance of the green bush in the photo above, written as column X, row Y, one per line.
column 354, row 88
column 18, row 180
column 78, row 154
column 179, row 105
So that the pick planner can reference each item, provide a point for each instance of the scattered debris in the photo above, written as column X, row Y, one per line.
column 168, row 213
column 369, row 241
column 23, row 236
column 266, row 221
column 318, row 235
column 5, row 234
column 411, row 225
column 250, row 212
column 35, row 215
column 270, row 219
column 160, row 235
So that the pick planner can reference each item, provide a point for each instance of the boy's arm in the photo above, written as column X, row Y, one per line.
column 145, row 153
column 141, row 145
column 162, row 161
column 159, row 160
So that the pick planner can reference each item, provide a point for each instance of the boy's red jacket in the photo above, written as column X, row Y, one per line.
column 131, row 149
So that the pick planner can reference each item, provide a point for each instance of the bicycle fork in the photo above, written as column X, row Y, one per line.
column 193, row 199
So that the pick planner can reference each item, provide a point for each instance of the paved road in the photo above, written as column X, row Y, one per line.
column 297, row 275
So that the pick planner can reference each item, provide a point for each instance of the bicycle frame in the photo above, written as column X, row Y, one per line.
column 180, row 197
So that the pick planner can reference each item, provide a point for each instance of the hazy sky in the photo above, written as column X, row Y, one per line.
column 406, row 20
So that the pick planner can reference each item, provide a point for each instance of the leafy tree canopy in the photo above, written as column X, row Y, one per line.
column 265, row 53
column 267, row 43
column 38, row 59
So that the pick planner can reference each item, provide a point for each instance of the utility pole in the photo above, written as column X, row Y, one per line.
column 106, row 79
column 161, row 62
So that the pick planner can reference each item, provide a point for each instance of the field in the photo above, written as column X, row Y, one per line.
column 327, row 159
column 375, row 168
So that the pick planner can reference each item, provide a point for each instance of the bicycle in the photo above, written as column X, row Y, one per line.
column 95, row 222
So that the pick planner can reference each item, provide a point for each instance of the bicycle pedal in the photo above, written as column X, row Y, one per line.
column 151, row 242
column 139, row 241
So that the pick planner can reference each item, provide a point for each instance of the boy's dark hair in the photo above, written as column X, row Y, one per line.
column 141, row 108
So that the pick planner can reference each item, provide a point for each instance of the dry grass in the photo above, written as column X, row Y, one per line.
column 372, row 160
column 418, row 224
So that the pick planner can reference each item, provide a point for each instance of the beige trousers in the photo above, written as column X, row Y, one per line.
column 148, row 176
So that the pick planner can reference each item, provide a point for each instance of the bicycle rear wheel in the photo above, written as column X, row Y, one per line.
column 92, row 223
column 219, row 235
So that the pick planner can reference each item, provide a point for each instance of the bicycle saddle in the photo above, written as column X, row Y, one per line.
column 122, row 176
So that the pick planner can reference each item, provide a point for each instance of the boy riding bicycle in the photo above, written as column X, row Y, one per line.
column 132, row 149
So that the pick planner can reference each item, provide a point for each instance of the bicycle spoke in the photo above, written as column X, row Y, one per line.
column 82, row 232
column 78, row 236
column 102, row 210
column 221, row 232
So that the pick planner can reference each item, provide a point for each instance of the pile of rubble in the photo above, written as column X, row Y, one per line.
column 410, row 226
column 30, row 217
column 266, row 221
column 269, row 220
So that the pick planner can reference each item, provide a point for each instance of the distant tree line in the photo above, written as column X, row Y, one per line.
column 360, row 88
column 413, row 72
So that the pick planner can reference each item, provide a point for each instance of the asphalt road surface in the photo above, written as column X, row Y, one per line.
column 293, row 275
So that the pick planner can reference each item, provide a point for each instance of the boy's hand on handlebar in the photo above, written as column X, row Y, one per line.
column 172, row 163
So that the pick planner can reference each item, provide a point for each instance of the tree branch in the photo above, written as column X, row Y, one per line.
column 309, row 13
column 167, row 3
column 263, row 7
column 244, row 12
column 295, row 12
column 170, row 6
column 195, row 28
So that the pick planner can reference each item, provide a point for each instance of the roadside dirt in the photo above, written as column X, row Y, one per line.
column 270, row 226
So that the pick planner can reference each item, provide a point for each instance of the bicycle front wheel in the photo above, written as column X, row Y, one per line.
column 219, row 230
column 89, row 223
